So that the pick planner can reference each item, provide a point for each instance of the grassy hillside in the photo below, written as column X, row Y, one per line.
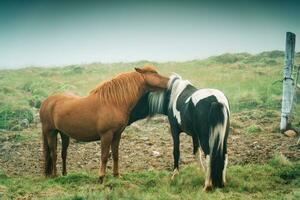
column 263, row 173
column 246, row 79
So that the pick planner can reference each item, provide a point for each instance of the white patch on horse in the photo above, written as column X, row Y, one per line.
column 172, row 77
column 177, row 88
column 200, row 157
column 224, row 170
column 204, row 93
column 208, row 181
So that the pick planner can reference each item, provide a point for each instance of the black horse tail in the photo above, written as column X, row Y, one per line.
column 218, row 119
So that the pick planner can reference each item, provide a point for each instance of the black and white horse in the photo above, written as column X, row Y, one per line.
column 202, row 114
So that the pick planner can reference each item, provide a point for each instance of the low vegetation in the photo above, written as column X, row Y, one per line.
column 278, row 179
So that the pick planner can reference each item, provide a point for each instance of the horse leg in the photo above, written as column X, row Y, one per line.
column 46, row 152
column 106, row 140
column 197, row 150
column 52, row 142
column 200, row 158
column 224, row 170
column 203, row 138
column 115, row 153
column 176, row 151
column 195, row 144
column 208, row 183
column 225, row 155
column 65, row 140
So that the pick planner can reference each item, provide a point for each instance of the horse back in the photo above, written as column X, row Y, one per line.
column 194, row 106
column 49, row 104
column 82, row 118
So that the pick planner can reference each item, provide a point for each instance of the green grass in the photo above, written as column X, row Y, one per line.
column 23, row 136
column 276, row 180
column 253, row 129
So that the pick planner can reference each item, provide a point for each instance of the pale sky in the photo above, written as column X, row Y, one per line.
column 57, row 33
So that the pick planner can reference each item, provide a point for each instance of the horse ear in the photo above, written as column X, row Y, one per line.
column 139, row 70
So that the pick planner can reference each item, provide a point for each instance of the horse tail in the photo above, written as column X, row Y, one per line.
column 218, row 125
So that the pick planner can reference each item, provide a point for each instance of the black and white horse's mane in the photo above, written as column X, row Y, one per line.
column 156, row 102
column 159, row 102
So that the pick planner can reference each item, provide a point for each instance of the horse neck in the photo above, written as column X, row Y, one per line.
column 124, row 105
column 140, row 110
column 128, row 106
column 131, row 104
column 166, row 102
column 176, row 88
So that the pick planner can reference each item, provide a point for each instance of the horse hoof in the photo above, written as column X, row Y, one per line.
column 47, row 175
column 117, row 175
column 207, row 188
column 53, row 176
column 175, row 173
column 100, row 180
column 64, row 173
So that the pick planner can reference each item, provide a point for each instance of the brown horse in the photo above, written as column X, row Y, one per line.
column 102, row 115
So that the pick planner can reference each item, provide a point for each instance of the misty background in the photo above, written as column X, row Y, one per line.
column 56, row 33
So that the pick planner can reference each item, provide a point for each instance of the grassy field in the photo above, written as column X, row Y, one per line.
column 246, row 79
column 278, row 179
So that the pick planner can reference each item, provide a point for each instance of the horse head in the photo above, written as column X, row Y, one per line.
column 154, row 81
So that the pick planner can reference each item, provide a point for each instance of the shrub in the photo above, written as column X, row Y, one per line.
column 253, row 129
column 12, row 118
column 35, row 102
column 72, row 70
column 228, row 58
column 279, row 161
column 35, row 88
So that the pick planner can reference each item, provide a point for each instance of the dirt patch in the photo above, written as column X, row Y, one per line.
column 147, row 145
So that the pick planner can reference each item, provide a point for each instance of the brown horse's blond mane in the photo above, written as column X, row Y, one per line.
column 122, row 89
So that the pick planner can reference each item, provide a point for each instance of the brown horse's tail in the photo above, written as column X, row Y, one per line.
column 47, row 157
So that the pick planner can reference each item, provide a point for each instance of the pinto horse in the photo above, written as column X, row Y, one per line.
column 102, row 115
column 202, row 114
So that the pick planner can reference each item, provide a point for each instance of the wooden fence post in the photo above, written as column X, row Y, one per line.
column 287, row 90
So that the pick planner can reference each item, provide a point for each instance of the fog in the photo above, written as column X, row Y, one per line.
column 56, row 33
